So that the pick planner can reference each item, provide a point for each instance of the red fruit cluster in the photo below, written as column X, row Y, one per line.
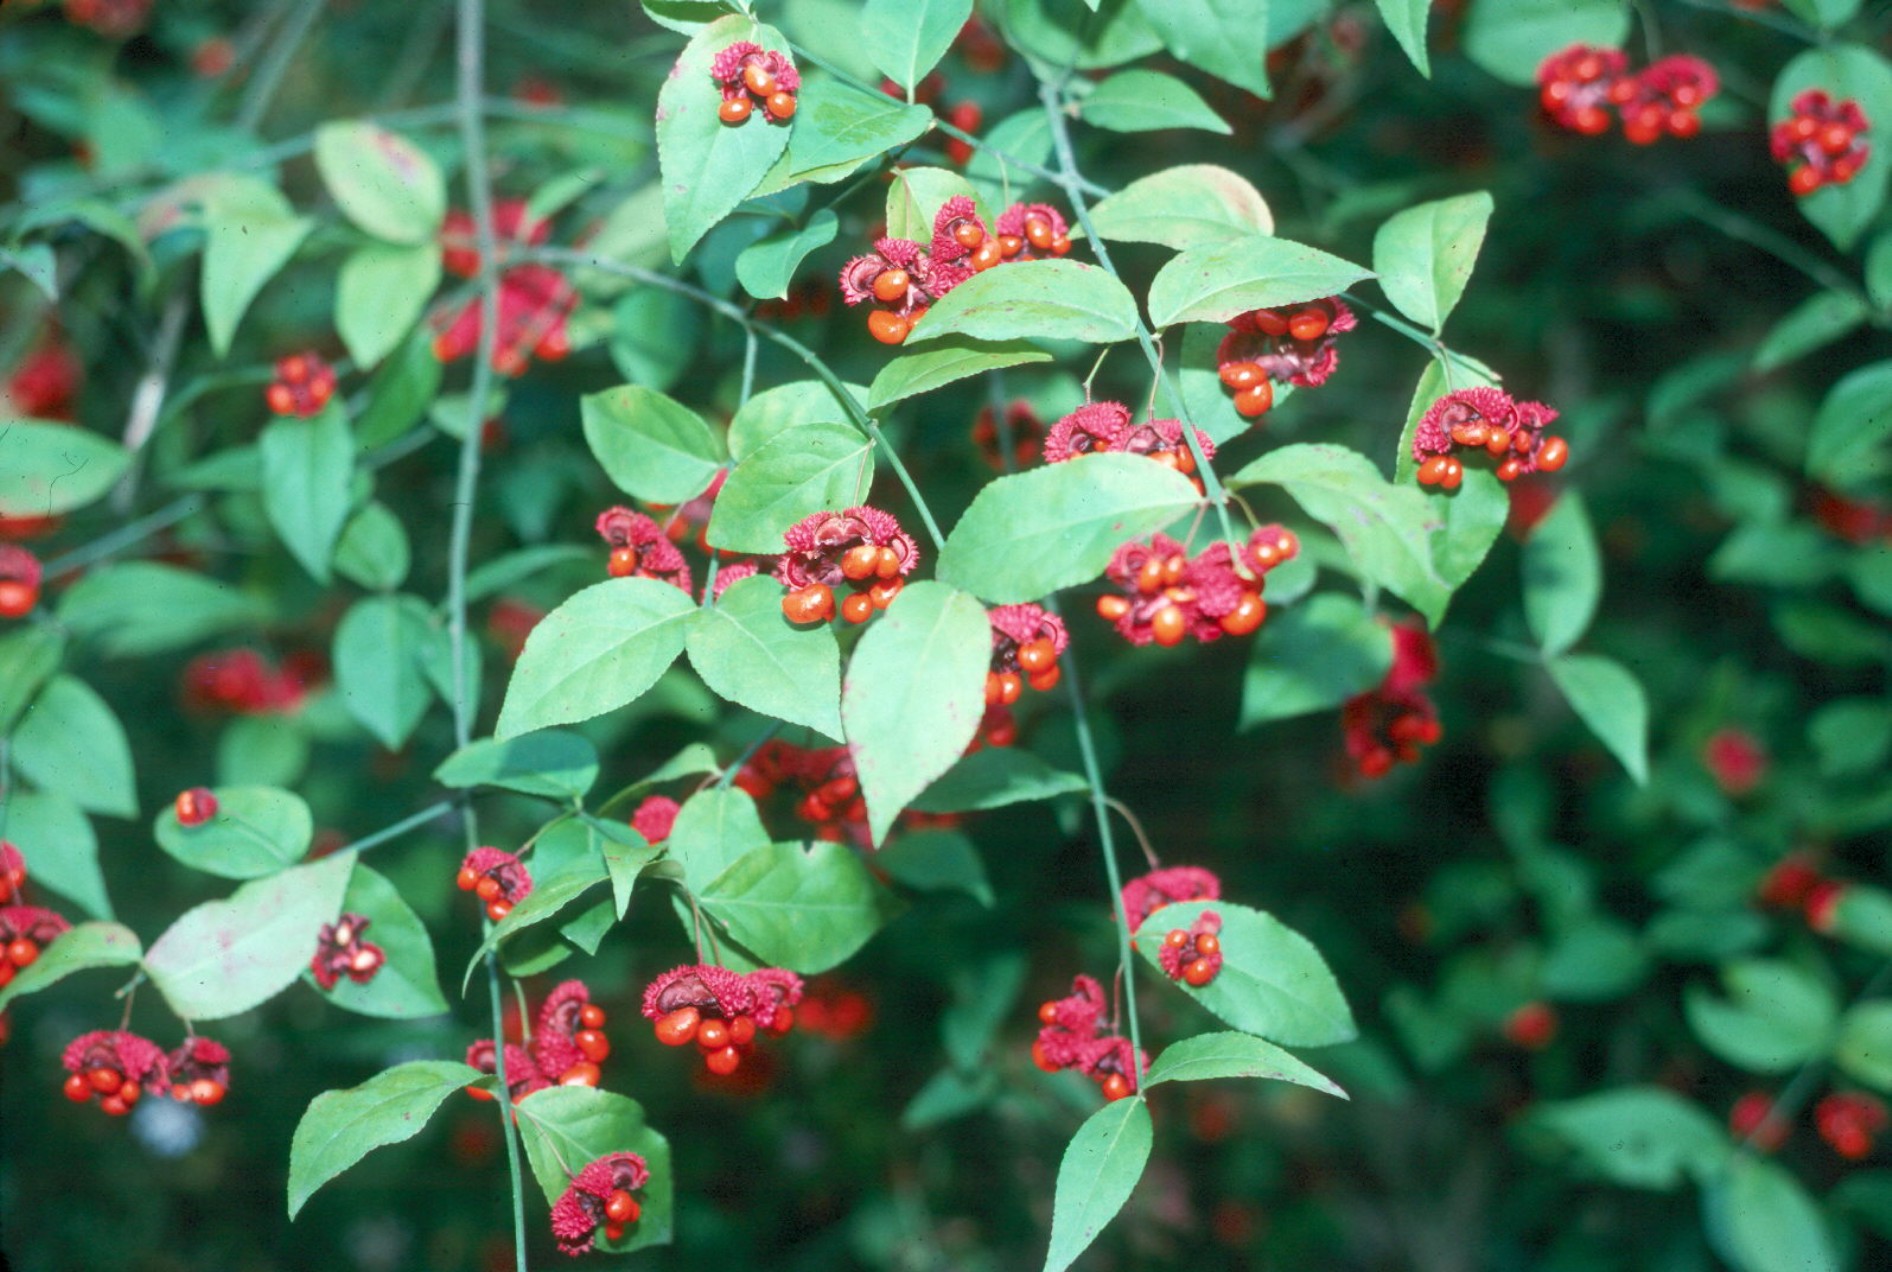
column 115, row 19
column 513, row 226
column 1167, row 595
column 750, row 75
column 1850, row 1121
column 640, row 549
column 25, row 932
column 1193, row 954
column 834, row 1014
column 1388, row 725
column 497, row 877
column 20, row 575
column 303, row 386
column 863, row 548
column 1531, row 1026
column 242, row 681
column 602, row 1196
column 199, row 1071
column 1145, row 895
column 1822, row 904
column 510, row 622
column 535, row 309
column 1819, row 141
column 654, row 818
column 997, row 727
column 340, row 951
column 825, row 777
column 1289, row 344
column 966, row 117
column 1753, row 1119
column 44, row 383
column 1736, row 760
column 1509, row 431
column 721, row 1011
column 729, row 575
column 1026, row 643
column 1854, row 520
column 195, row 806
column 1072, row 1036
column 12, row 873
column 114, row 1067
column 1028, row 434
column 1787, row 885
column 1105, row 427
column 567, row 1046
column 690, row 519
column 906, row 278
column 1580, row 83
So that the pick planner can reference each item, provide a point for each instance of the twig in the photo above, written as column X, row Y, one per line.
column 269, row 76
column 125, row 536
column 1136, row 827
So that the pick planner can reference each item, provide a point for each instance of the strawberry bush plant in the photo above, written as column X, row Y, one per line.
column 930, row 634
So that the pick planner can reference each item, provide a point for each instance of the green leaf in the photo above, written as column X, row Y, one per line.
column 907, row 38
column 1563, row 575
column 936, row 861
column 37, row 264
column 1593, row 960
column 1034, row 300
column 916, row 196
column 996, row 777
column 383, row 182
column 715, row 828
column 552, row 762
column 1386, row 529
column 1233, row 1055
column 794, row 474
column 944, row 361
column 709, row 167
column 1825, row 13
column 1608, row 699
column 914, row 695
column 1406, row 21
column 1063, row 33
column 766, row 268
column 225, row 957
column 1099, row 1171
column 342, row 1127
column 380, row 650
column 380, row 294
column 1029, row 534
column 47, row 468
column 142, row 607
column 1849, row 432
column 400, row 392
column 1640, row 1137
column 947, row 1095
column 256, row 831
column 838, row 128
column 28, row 658
column 250, row 234
column 1774, row 1018
column 72, row 744
column 1511, row 38
column 1313, row 657
column 799, row 404
column 80, row 948
column 1864, row 1049
column 1841, row 212
column 57, row 841
column 1148, row 101
column 1189, row 206
column 595, row 653
column 407, row 986
column 308, row 484
column 1851, row 735
column 1217, row 282
column 650, row 446
column 514, row 568
column 1226, row 38
column 748, row 652
column 373, row 549
column 553, row 891
column 1762, row 1220
column 626, row 853
column 1424, row 255
column 1273, row 982
column 1879, row 271
column 808, row 911
column 1814, row 323
column 574, row 1126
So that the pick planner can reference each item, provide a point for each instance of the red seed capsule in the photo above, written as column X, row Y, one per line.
column 679, row 1027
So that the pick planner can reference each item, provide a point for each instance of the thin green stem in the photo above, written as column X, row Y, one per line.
column 1807, row 1078
column 471, row 49
column 399, row 828
column 736, row 314
column 1775, row 244
column 125, row 536
column 1051, row 95
column 269, row 76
